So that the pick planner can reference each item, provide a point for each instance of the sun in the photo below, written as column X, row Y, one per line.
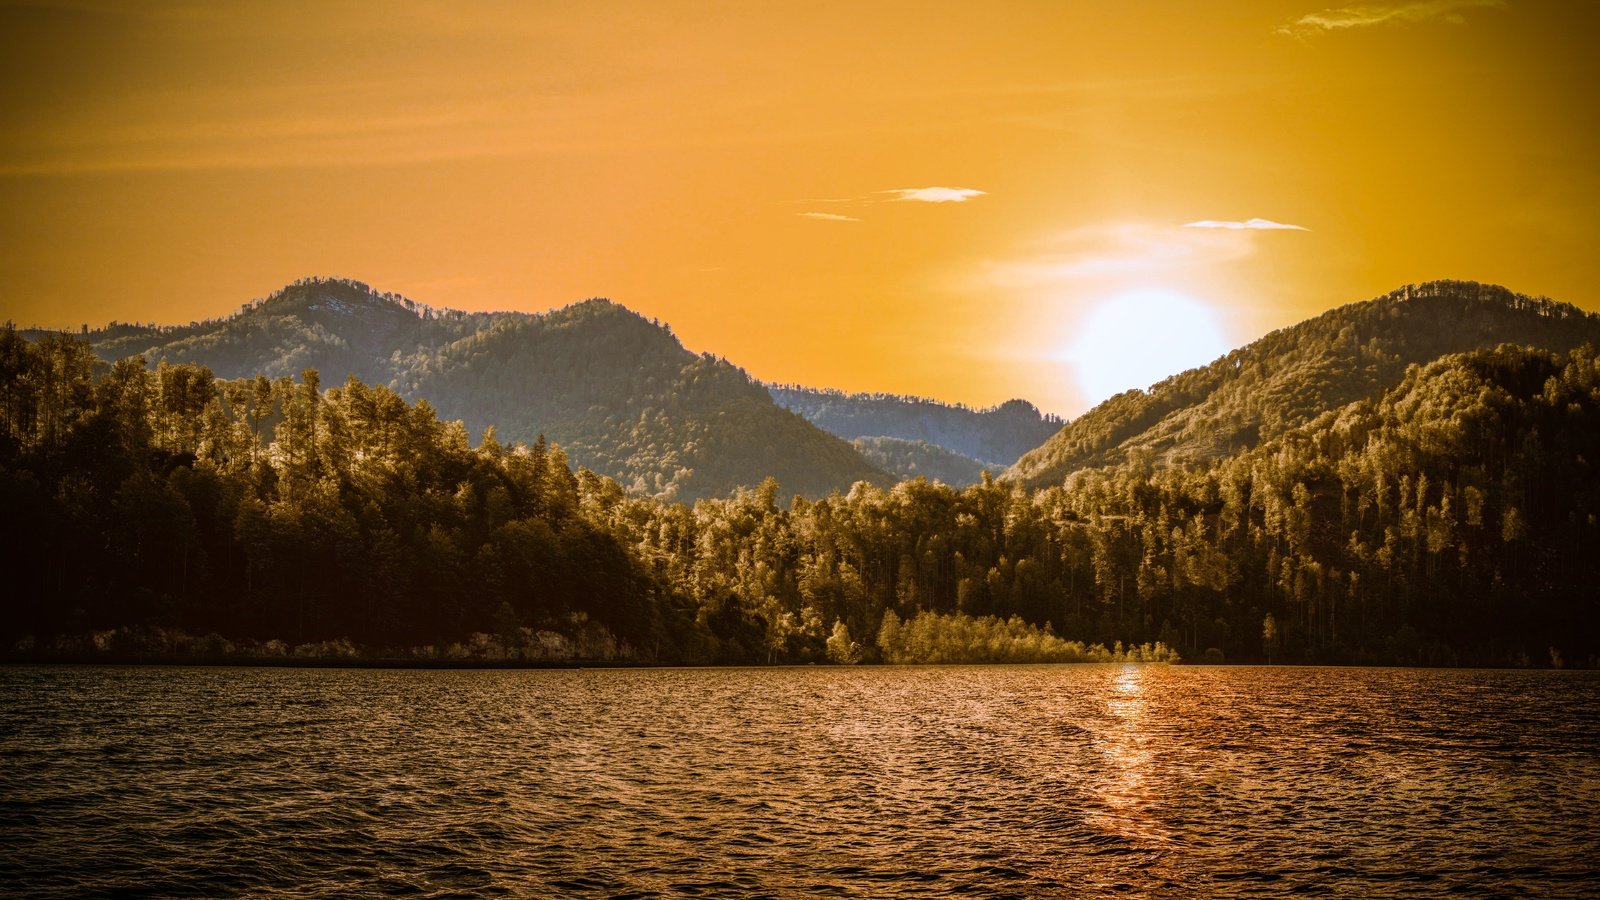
column 1136, row 339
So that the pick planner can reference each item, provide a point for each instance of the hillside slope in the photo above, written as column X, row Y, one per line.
column 1291, row 376
column 626, row 399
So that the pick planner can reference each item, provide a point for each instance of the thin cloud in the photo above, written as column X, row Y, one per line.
column 896, row 195
column 1344, row 18
column 919, row 195
column 1114, row 250
column 1246, row 225
column 935, row 194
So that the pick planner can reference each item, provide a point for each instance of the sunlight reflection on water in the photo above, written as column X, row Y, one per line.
column 1123, row 791
column 1022, row 781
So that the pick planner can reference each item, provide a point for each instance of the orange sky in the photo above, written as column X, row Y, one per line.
column 167, row 161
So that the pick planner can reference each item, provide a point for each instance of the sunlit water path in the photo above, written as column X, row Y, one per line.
column 870, row 782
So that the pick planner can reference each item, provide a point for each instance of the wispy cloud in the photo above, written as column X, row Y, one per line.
column 1344, row 18
column 1113, row 251
column 1246, row 225
column 896, row 195
column 935, row 194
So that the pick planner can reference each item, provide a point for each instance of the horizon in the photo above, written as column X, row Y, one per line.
column 927, row 201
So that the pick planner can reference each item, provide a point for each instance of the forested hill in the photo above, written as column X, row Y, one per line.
column 1291, row 376
column 161, row 513
column 617, row 391
column 991, row 437
column 624, row 398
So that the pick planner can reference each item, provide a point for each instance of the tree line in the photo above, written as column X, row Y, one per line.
column 1449, row 521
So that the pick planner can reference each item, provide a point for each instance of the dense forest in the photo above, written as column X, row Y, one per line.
column 1450, row 519
column 619, row 392
column 905, row 459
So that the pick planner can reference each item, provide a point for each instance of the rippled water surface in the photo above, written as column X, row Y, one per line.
column 1024, row 781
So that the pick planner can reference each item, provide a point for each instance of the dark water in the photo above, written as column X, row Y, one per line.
column 1028, row 781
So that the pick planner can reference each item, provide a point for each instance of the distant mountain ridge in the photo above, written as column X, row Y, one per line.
column 987, row 438
column 1292, row 375
column 619, row 392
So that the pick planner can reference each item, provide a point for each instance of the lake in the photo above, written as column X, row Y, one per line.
column 1026, row 781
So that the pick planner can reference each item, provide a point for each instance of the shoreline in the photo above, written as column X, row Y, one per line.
column 404, row 663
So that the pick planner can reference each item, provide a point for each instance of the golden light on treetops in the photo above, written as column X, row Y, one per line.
column 911, row 197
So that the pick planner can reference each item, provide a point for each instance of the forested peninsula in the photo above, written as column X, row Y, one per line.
column 165, row 513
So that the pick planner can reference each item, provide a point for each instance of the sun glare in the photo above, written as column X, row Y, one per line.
column 1134, row 340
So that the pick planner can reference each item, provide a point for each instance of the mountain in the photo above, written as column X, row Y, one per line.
column 1442, row 523
column 989, row 437
column 1292, row 375
column 1439, row 521
column 627, row 400
column 617, row 391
